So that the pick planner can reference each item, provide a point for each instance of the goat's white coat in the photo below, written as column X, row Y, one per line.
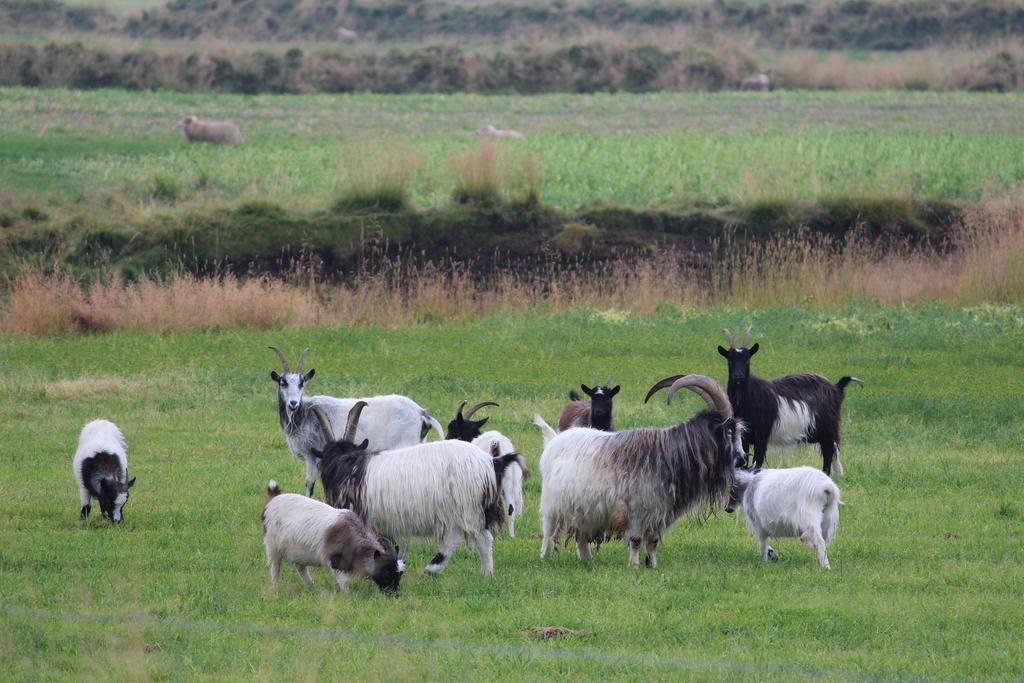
column 96, row 437
column 545, row 429
column 437, row 489
column 793, row 423
column 798, row 502
column 496, row 443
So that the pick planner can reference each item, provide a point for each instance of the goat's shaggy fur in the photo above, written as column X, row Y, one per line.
column 799, row 502
column 217, row 132
column 444, row 489
column 309, row 533
column 101, row 469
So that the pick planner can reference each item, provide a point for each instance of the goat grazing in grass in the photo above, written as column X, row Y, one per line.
column 799, row 502
column 637, row 483
column 309, row 533
column 101, row 469
column 785, row 411
column 390, row 422
column 497, row 444
column 595, row 413
column 445, row 489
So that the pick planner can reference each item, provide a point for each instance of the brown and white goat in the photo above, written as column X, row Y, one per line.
column 595, row 413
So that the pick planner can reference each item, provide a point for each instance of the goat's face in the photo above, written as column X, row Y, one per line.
column 465, row 430
column 600, row 402
column 113, row 496
column 290, row 387
column 387, row 568
column 739, row 364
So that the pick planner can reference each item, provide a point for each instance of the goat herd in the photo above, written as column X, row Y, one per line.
column 383, row 481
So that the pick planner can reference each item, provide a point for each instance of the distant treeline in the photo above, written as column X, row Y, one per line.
column 816, row 24
column 437, row 69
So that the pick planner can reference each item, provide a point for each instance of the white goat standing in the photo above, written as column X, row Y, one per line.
column 798, row 502
column 390, row 421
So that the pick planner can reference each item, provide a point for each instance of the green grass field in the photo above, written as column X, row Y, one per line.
column 927, row 566
column 99, row 147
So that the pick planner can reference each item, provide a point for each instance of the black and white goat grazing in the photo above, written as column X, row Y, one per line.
column 390, row 422
column 101, row 469
column 798, row 502
column 595, row 413
column 497, row 444
column 785, row 411
column 637, row 483
column 462, row 427
column 309, row 533
column 445, row 489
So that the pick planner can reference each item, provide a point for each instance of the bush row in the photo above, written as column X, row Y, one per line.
column 264, row 238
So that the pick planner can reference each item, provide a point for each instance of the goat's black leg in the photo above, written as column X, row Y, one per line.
column 828, row 451
column 760, row 451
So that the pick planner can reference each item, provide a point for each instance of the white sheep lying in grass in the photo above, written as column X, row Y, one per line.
column 490, row 131
column 217, row 132
column 799, row 502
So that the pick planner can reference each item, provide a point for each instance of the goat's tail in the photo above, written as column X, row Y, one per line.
column 573, row 396
column 843, row 381
column 494, row 509
column 273, row 489
column 830, row 515
column 431, row 422
column 545, row 428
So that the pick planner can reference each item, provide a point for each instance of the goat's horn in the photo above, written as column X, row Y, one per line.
column 284, row 361
column 608, row 382
column 353, row 420
column 458, row 413
column 596, row 385
column 746, row 337
column 302, row 359
column 667, row 382
column 710, row 391
column 478, row 406
column 728, row 338
column 325, row 424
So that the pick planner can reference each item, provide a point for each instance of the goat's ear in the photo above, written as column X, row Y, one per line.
column 481, row 423
column 587, row 390
column 274, row 376
column 614, row 390
column 131, row 483
column 309, row 375
column 723, row 352
column 754, row 348
column 363, row 445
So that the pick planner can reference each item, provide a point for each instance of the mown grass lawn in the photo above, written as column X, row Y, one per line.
column 99, row 147
column 927, row 566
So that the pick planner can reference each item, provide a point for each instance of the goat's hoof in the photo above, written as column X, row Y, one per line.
column 772, row 555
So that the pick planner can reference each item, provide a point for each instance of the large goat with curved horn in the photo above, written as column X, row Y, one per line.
column 636, row 483
column 595, row 412
column 444, row 489
column 789, row 410
column 390, row 421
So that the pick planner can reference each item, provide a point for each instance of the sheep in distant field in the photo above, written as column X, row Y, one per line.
column 490, row 131
column 756, row 82
column 444, row 489
column 346, row 35
column 391, row 421
column 217, row 132
column 309, row 533
column 101, row 469
column 635, row 484
column 789, row 410
column 799, row 502
column 596, row 413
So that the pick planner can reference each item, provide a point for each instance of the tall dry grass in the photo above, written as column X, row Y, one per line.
column 489, row 174
column 983, row 262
